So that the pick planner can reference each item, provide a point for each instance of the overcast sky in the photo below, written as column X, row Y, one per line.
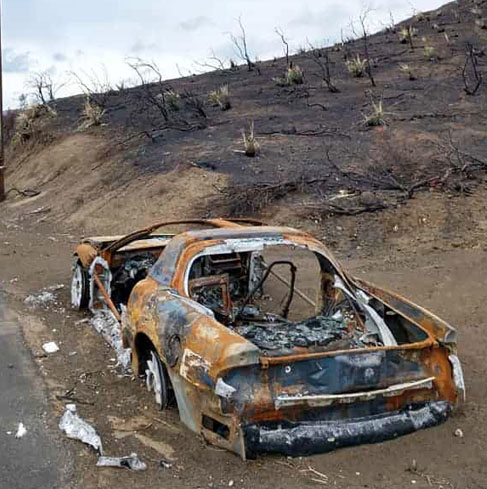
column 99, row 35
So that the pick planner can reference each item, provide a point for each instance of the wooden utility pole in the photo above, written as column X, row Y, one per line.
column 2, row 139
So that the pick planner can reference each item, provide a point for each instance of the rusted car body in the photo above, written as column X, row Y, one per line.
column 366, row 365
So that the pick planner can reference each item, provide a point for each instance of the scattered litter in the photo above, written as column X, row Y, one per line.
column 458, row 433
column 78, row 429
column 231, row 483
column 53, row 288
column 82, row 321
column 132, row 462
column 72, row 353
column 39, row 210
column 50, row 347
column 41, row 299
column 107, row 325
column 165, row 463
column 21, row 431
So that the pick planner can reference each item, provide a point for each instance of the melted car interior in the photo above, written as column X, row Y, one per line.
column 286, row 299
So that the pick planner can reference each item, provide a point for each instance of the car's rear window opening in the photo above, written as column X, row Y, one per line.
column 286, row 299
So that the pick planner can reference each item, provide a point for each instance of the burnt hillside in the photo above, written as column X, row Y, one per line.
column 369, row 125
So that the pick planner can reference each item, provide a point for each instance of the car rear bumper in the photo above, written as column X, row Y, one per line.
column 310, row 437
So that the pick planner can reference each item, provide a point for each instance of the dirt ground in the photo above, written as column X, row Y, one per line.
column 426, row 259
column 113, row 179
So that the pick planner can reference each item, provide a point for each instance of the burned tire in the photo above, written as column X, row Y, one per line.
column 80, row 291
column 157, row 380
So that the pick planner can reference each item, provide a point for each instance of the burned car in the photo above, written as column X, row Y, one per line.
column 264, row 341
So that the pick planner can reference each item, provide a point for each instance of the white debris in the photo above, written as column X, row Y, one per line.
column 78, row 429
column 458, row 433
column 132, row 462
column 107, row 325
column 53, row 288
column 50, row 347
column 43, row 298
column 21, row 431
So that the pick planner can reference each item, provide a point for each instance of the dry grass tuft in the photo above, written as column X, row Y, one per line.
column 377, row 116
column 406, row 33
column 293, row 76
column 221, row 98
column 430, row 53
column 172, row 100
column 405, row 68
column 92, row 114
column 251, row 146
column 356, row 66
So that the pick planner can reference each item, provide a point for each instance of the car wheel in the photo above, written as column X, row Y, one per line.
column 79, row 287
column 157, row 380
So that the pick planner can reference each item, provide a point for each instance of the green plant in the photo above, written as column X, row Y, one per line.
column 251, row 146
column 429, row 52
column 407, row 33
column 356, row 66
column 172, row 99
column 293, row 76
column 221, row 98
column 420, row 16
column 376, row 117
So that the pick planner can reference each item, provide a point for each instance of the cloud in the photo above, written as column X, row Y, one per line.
column 59, row 57
column 14, row 62
column 140, row 47
column 195, row 23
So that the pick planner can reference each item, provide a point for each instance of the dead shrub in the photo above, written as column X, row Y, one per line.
column 29, row 121
column 251, row 146
column 221, row 98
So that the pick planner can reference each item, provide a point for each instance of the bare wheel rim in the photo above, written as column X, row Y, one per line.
column 155, row 381
column 77, row 287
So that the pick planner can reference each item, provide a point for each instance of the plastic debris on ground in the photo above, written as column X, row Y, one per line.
column 44, row 298
column 50, row 347
column 41, row 299
column 21, row 431
column 78, row 429
column 165, row 463
column 106, row 324
column 132, row 462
